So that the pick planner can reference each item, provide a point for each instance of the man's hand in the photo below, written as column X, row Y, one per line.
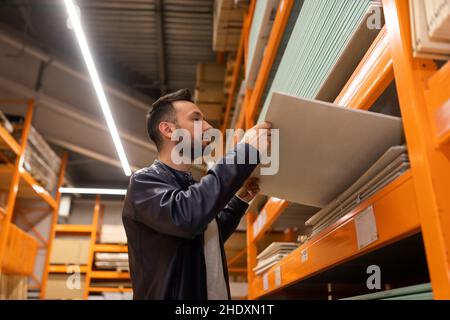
column 259, row 136
column 249, row 190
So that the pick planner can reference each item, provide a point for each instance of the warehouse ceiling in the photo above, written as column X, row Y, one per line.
column 142, row 48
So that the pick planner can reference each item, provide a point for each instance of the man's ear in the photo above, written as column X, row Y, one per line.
column 166, row 129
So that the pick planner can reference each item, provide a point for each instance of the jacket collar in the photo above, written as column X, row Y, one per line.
column 183, row 176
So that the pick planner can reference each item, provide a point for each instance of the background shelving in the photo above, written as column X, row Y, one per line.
column 20, row 241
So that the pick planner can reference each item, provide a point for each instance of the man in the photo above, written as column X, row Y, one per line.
column 176, row 227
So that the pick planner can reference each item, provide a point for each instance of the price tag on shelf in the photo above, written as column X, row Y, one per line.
column 255, row 228
column 277, row 276
column 366, row 228
column 265, row 282
column 263, row 216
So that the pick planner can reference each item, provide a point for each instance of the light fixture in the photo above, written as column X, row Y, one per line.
column 89, row 61
column 93, row 191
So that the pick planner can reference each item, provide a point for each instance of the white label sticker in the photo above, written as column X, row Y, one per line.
column 255, row 228
column 278, row 276
column 304, row 255
column 263, row 218
column 366, row 228
column 265, row 282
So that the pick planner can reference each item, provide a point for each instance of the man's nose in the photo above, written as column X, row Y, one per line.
column 206, row 125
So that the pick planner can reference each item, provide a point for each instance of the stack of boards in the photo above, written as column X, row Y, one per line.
column 416, row 292
column 117, row 261
column 273, row 254
column 430, row 28
column 262, row 21
column 328, row 39
column 112, row 296
column 392, row 164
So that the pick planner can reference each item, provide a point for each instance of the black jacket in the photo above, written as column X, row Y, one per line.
column 165, row 217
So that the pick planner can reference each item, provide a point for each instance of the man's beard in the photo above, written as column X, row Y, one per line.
column 193, row 144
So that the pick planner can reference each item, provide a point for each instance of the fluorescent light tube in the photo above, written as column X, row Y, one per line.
column 93, row 191
column 82, row 42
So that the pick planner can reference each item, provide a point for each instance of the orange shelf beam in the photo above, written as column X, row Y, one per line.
column 33, row 185
column 15, row 181
column 98, row 210
column 73, row 228
column 111, row 248
column 234, row 81
column 106, row 289
column 430, row 166
column 279, row 25
column 2, row 212
column 396, row 217
column 372, row 76
column 64, row 269
column 110, row 275
column 268, row 215
column 38, row 189
column 54, row 220
column 9, row 140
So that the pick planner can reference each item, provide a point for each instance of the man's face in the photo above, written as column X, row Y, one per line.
column 187, row 115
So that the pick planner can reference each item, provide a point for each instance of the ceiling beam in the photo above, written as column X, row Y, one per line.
column 161, row 45
column 70, row 111
column 86, row 152
column 118, row 90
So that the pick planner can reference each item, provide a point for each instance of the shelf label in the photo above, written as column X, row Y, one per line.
column 265, row 282
column 255, row 229
column 278, row 276
column 259, row 223
column 366, row 228
column 304, row 255
column 263, row 218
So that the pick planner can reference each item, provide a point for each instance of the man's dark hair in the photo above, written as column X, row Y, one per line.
column 163, row 110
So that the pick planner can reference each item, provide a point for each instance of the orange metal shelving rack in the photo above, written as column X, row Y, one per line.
column 417, row 202
column 92, row 230
column 110, row 275
column 71, row 229
column 18, row 249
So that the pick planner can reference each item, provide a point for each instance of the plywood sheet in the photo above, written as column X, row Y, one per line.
column 324, row 149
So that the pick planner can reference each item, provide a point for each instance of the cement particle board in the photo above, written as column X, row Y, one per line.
column 387, row 161
column 323, row 148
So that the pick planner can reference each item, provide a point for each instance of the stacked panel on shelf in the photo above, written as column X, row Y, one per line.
column 327, row 42
column 39, row 160
column 70, row 250
column 392, row 164
column 209, row 91
column 58, row 288
column 430, row 28
column 262, row 22
column 438, row 19
column 112, row 296
column 228, row 19
column 113, row 234
column 13, row 287
column 272, row 255
column 416, row 292
column 113, row 260
column 5, row 123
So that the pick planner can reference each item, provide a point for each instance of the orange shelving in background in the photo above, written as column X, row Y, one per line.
column 18, row 248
